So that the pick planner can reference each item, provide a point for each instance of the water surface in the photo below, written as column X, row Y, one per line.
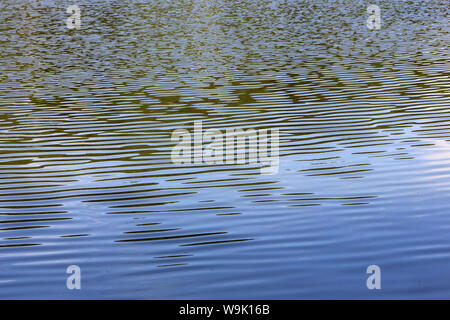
column 86, row 177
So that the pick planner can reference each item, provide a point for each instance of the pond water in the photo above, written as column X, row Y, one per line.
column 87, row 178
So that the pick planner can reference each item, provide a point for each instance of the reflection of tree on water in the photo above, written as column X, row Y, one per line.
column 28, row 68
column 205, row 36
column 207, row 48
column 31, row 62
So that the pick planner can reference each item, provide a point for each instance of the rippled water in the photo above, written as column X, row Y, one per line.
column 86, row 177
